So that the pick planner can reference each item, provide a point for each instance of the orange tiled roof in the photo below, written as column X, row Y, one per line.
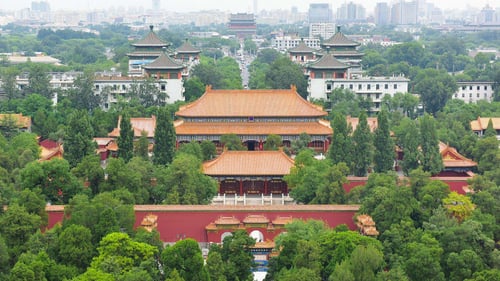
column 268, row 244
column 482, row 123
column 256, row 219
column 282, row 220
column 20, row 120
column 51, row 153
column 227, row 220
column 354, row 121
column 250, row 103
column 249, row 163
column 252, row 128
column 451, row 157
column 138, row 125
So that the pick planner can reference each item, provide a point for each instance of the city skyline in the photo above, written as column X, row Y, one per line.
column 226, row 5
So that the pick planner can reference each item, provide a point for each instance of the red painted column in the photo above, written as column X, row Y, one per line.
column 265, row 186
column 241, row 187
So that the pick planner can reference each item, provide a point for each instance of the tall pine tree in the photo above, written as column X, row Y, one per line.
column 126, row 139
column 363, row 147
column 341, row 148
column 78, row 139
column 410, row 139
column 431, row 158
column 384, row 146
column 164, row 148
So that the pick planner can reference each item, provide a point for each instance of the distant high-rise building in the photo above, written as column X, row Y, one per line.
column 156, row 5
column 382, row 14
column 255, row 7
column 404, row 13
column 351, row 12
column 320, row 12
column 487, row 16
column 40, row 6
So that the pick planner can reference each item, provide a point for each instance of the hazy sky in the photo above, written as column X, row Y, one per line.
column 229, row 5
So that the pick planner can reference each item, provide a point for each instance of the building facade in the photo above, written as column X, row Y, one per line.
column 252, row 115
column 474, row 91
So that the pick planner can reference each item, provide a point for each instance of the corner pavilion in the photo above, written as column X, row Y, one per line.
column 252, row 115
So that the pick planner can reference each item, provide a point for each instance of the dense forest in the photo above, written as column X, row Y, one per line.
column 426, row 232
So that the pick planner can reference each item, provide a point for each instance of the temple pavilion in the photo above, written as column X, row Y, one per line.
column 250, row 172
column 252, row 115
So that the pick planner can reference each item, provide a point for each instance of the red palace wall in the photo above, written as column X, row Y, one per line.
column 175, row 222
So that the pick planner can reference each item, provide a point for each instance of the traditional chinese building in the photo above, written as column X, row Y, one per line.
column 344, row 49
column 170, row 70
column 242, row 25
column 250, row 172
column 302, row 53
column 187, row 53
column 252, row 115
column 339, row 67
column 479, row 126
column 145, row 51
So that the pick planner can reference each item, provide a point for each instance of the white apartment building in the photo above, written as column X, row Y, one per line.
column 374, row 88
column 284, row 43
column 474, row 91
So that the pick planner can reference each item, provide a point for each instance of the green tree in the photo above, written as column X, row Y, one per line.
column 301, row 143
column 362, row 147
column 194, row 88
column 53, row 178
column 184, row 183
column 298, row 274
column 75, row 246
column 82, row 95
column 273, row 142
column 490, row 132
column 341, row 148
column 283, row 73
column 193, row 148
column 331, row 191
column 141, row 148
column 164, row 147
column 89, row 170
column 185, row 257
column 215, row 266
column 237, row 256
column 409, row 136
column 384, row 146
column 126, row 139
column 423, row 260
column 38, row 81
column 78, row 138
column 434, row 88
column 431, row 158
column 232, row 142
column 208, row 149
column 17, row 227
column 119, row 254
column 147, row 92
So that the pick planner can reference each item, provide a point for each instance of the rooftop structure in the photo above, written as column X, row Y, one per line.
column 252, row 115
